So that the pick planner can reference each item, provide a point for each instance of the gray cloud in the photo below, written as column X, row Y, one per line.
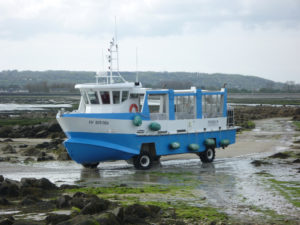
column 141, row 18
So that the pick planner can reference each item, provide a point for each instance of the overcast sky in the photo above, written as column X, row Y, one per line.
column 250, row 37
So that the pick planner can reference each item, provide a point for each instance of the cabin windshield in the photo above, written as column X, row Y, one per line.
column 93, row 96
column 116, row 97
column 105, row 97
column 124, row 96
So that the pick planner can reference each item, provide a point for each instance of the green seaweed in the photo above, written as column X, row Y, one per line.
column 290, row 190
column 155, row 189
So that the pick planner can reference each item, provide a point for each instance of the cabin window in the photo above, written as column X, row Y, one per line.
column 158, row 106
column 93, row 96
column 184, row 107
column 105, row 97
column 134, row 95
column 124, row 96
column 116, row 97
column 212, row 106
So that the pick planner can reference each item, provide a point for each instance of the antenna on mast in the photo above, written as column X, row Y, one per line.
column 136, row 64
column 117, row 47
column 103, row 61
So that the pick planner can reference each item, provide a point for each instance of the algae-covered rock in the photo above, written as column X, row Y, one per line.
column 95, row 206
column 8, row 149
column 56, row 218
column 108, row 219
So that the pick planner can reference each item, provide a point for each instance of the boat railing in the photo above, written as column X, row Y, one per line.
column 105, row 78
column 230, row 117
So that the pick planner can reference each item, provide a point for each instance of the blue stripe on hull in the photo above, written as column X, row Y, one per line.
column 96, row 147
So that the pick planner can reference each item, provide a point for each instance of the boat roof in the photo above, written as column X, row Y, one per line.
column 106, row 86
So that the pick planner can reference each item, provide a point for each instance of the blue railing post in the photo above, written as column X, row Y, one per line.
column 171, row 105
column 225, row 103
column 146, row 111
column 199, row 103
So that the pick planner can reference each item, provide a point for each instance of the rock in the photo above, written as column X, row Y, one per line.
column 54, row 219
column 138, row 210
column 4, row 201
column 7, row 221
column 8, row 140
column 42, row 134
column 27, row 222
column 32, row 191
column 29, row 200
column 54, row 127
column 8, row 149
column 280, row 155
column 9, row 188
column 63, row 201
column 44, row 157
column 78, row 202
column 68, row 186
column 31, row 151
column 118, row 212
column 46, row 205
column 43, row 145
column 296, row 161
column 108, row 219
column 42, row 183
column 23, row 146
column 5, row 131
column 28, row 160
column 95, row 206
column 80, row 220
column 258, row 163
column 4, row 159
column 154, row 209
column 80, row 194
column 64, row 156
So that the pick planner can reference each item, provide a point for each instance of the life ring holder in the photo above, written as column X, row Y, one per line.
column 133, row 106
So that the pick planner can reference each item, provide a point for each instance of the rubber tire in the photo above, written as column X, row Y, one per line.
column 208, row 155
column 90, row 165
column 143, row 161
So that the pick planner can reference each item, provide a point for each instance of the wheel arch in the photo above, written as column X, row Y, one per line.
column 148, row 147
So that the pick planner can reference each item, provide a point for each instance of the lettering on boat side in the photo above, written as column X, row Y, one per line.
column 98, row 122
column 213, row 122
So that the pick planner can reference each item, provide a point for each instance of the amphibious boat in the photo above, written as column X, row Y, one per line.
column 120, row 120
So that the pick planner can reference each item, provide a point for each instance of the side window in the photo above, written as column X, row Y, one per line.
column 93, row 96
column 158, row 104
column 116, row 97
column 212, row 106
column 184, row 107
column 105, row 97
column 124, row 95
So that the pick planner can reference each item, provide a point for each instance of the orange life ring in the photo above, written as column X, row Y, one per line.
column 133, row 106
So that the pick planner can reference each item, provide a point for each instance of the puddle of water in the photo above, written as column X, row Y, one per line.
column 8, row 212
column 31, row 216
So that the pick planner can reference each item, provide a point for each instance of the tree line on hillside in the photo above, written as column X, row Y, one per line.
column 63, row 81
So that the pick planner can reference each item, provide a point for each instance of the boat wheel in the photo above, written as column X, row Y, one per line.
column 208, row 155
column 143, row 161
column 90, row 165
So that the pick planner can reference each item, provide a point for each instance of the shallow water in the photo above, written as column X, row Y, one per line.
column 30, row 107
